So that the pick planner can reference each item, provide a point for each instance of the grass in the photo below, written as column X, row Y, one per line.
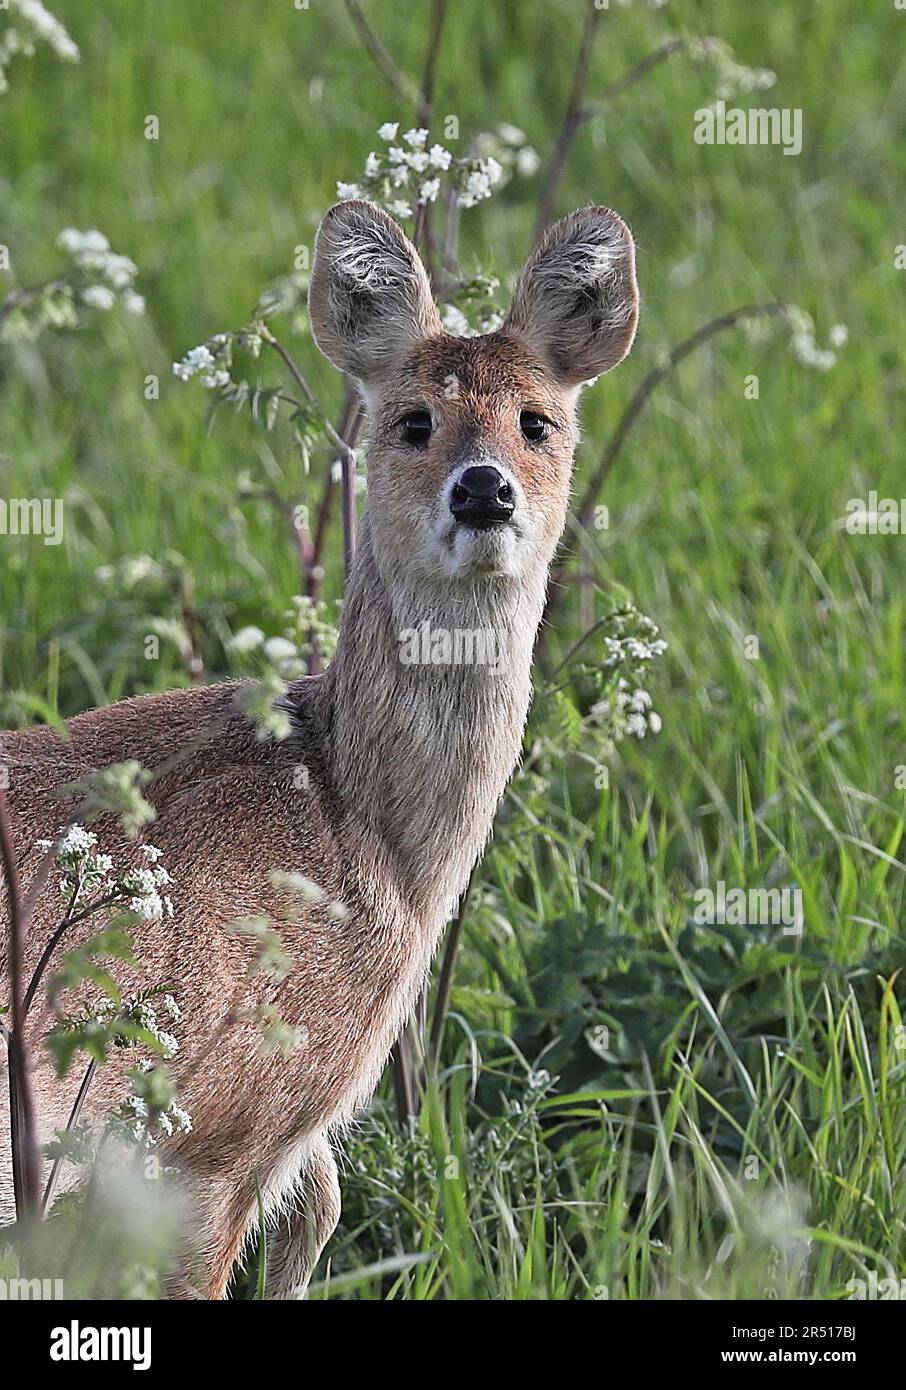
column 742, row 1133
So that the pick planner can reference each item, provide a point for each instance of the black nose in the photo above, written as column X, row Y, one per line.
column 482, row 497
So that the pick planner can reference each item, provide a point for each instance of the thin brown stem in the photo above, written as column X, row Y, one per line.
column 71, row 1123
column 23, row 1132
column 423, row 233
column 573, row 119
column 578, row 113
column 296, row 373
column 432, row 52
column 67, row 922
column 445, row 980
column 404, row 1087
column 397, row 81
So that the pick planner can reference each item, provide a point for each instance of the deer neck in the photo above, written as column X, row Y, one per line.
column 426, row 729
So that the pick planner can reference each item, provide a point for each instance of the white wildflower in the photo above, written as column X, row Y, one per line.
column 388, row 130
column 477, row 186
column 527, row 162
column 348, row 190
column 98, row 297
column 46, row 26
column 119, row 270
column 148, row 908
column 216, row 379
column 279, row 649
column 372, row 166
column 429, row 191
column 171, row 1008
column 416, row 138
column 246, row 639
column 82, row 243
column 77, row 840
column 839, row 335
column 197, row 359
column 455, row 321
column 180, row 1118
column 399, row 208
column 511, row 134
column 439, row 158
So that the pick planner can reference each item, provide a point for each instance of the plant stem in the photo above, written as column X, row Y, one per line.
column 23, row 1133
column 445, row 980
column 396, row 80
column 574, row 117
column 67, row 922
column 71, row 1123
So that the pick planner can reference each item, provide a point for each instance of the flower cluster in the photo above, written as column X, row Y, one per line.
column 627, row 712
column 212, row 361
column 30, row 24
column 139, row 1011
column 98, row 278
column 411, row 170
column 89, row 881
column 471, row 307
column 604, row 701
column 306, row 626
column 804, row 344
column 151, row 1109
column 508, row 146
column 733, row 78
column 302, row 892
column 107, row 276
column 131, row 571
column 625, row 708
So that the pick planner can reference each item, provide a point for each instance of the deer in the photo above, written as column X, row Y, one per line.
column 469, row 448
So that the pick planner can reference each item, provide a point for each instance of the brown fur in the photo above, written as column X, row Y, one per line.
column 406, row 764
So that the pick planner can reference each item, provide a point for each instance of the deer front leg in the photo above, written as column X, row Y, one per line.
column 293, row 1249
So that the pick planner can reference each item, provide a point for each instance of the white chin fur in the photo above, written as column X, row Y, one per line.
column 495, row 551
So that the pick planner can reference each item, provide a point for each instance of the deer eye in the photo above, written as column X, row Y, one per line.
column 417, row 427
column 533, row 426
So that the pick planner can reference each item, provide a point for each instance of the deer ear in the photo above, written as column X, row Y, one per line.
column 369, row 297
column 576, row 301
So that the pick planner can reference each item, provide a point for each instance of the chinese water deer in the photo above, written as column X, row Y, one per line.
column 470, row 446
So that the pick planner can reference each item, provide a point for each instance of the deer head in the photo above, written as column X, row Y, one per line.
column 471, row 439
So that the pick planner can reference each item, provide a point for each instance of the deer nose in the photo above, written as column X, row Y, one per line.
column 482, row 497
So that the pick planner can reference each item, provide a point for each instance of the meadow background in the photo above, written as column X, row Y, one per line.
column 628, row 1104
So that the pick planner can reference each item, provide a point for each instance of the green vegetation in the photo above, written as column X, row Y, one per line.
column 629, row 1102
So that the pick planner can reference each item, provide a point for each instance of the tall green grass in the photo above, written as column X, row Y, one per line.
column 742, row 1134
